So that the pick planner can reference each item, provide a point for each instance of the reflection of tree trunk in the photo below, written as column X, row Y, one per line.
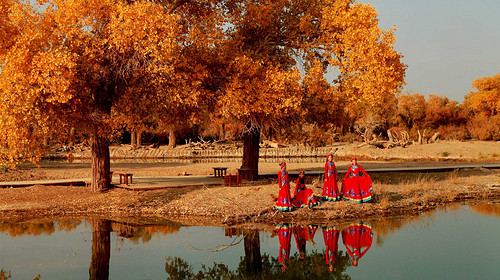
column 171, row 137
column 99, row 263
column 252, row 252
column 251, row 140
column 100, row 161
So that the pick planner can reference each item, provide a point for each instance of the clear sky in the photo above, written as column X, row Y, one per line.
column 446, row 44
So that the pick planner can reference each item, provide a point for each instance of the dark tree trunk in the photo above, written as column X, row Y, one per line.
column 138, row 139
column 133, row 139
column 99, row 263
column 251, row 140
column 253, row 258
column 172, row 139
column 100, row 162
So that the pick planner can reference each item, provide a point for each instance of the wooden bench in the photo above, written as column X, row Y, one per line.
column 220, row 171
column 232, row 179
column 245, row 173
column 124, row 178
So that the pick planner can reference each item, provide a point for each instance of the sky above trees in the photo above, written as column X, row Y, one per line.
column 446, row 44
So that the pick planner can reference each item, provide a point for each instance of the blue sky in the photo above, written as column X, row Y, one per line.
column 446, row 44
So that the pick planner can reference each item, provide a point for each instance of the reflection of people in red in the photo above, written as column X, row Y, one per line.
column 356, row 187
column 357, row 239
column 285, row 237
column 330, row 187
column 331, row 237
column 303, row 196
column 284, row 202
column 303, row 234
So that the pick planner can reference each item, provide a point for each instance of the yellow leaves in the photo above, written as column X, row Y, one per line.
column 260, row 91
column 486, row 99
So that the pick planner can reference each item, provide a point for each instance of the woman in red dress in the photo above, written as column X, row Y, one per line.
column 303, row 196
column 355, row 186
column 331, row 236
column 285, row 238
column 330, row 188
column 357, row 238
column 283, row 203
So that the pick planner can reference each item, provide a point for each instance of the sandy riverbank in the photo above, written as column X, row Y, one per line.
column 252, row 202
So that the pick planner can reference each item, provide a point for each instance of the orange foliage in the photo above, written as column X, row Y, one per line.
column 485, row 100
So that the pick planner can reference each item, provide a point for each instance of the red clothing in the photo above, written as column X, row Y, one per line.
column 285, row 239
column 303, row 234
column 283, row 203
column 356, row 237
column 302, row 195
column 330, row 187
column 356, row 187
column 331, row 236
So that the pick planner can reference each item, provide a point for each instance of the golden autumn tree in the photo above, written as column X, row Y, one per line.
column 484, row 106
column 410, row 110
column 71, row 63
column 268, row 41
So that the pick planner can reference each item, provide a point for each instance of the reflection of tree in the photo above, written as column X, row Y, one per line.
column 39, row 228
column 486, row 209
column 311, row 266
column 253, row 258
column 99, row 263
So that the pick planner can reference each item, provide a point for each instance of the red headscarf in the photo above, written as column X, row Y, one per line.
column 282, row 164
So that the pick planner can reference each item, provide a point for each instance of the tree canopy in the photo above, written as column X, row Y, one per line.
column 94, row 65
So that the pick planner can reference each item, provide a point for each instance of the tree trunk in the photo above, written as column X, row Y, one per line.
column 172, row 139
column 138, row 139
column 253, row 258
column 251, row 140
column 133, row 141
column 99, row 263
column 100, row 161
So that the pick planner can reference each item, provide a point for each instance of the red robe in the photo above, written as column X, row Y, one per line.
column 330, row 187
column 357, row 238
column 356, row 187
column 284, row 203
column 302, row 195
column 285, row 239
column 331, row 236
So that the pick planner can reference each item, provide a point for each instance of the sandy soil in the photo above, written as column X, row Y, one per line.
column 253, row 202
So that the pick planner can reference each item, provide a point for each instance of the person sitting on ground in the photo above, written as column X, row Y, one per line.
column 303, row 196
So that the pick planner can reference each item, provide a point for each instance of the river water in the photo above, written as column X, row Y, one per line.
column 456, row 242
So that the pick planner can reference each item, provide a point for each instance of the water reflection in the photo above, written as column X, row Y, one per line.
column 285, row 238
column 357, row 238
column 319, row 252
column 101, row 249
column 331, row 238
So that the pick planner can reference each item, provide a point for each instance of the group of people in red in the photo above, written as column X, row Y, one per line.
column 356, row 186
column 357, row 239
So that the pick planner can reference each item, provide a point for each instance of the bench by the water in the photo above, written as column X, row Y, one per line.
column 124, row 177
column 219, row 171
column 232, row 180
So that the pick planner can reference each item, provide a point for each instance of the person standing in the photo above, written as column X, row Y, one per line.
column 283, row 203
column 330, row 187
column 357, row 184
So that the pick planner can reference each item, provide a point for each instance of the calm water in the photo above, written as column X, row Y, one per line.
column 460, row 242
